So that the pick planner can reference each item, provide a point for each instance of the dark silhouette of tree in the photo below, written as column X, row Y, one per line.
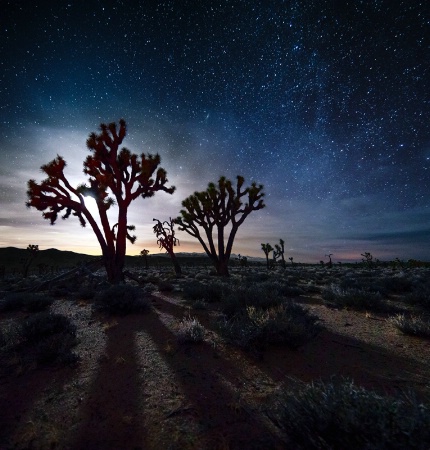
column 368, row 259
column 144, row 254
column 267, row 248
column 216, row 209
column 243, row 260
column 115, row 177
column 279, row 252
column 166, row 239
column 330, row 263
column 32, row 252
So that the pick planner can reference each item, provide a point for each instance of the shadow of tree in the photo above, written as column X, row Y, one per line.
column 333, row 354
column 111, row 416
column 118, row 410
column 213, row 386
column 132, row 401
column 19, row 423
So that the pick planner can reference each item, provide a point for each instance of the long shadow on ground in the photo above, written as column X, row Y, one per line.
column 212, row 385
column 18, row 394
column 111, row 415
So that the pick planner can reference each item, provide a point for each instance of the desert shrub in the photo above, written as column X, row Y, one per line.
column 343, row 415
column 397, row 284
column 148, row 288
column 312, row 288
column 46, row 324
column 289, row 324
column 27, row 301
column 154, row 279
column 290, row 291
column 10, row 335
column 190, row 330
column 50, row 337
column 412, row 325
column 261, row 295
column 86, row 292
column 55, row 348
column 358, row 299
column 257, row 277
column 122, row 299
column 420, row 295
column 199, row 305
column 165, row 286
column 210, row 292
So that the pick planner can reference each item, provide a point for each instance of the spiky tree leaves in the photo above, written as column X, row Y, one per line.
column 267, row 248
column 32, row 252
column 116, row 177
column 211, row 211
column 279, row 252
column 165, row 232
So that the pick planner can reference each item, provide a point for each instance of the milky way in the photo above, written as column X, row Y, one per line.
column 325, row 103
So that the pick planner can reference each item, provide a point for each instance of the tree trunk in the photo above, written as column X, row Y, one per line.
column 176, row 265
column 117, row 275
column 114, row 271
column 221, row 267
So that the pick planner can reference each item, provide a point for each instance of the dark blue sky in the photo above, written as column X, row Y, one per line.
column 325, row 103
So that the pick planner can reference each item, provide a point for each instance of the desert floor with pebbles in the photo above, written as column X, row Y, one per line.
column 137, row 386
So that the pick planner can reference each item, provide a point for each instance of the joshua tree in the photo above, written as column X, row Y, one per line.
column 215, row 209
column 144, row 254
column 291, row 259
column 115, row 177
column 32, row 252
column 279, row 252
column 267, row 248
column 330, row 264
column 243, row 260
column 367, row 258
column 166, row 239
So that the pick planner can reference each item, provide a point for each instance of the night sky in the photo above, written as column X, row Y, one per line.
column 326, row 103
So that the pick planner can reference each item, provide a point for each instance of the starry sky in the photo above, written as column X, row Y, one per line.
column 326, row 103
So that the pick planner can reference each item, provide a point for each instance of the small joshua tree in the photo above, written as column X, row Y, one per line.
column 115, row 177
column 215, row 209
column 267, row 248
column 279, row 252
column 243, row 260
column 330, row 263
column 144, row 254
column 367, row 259
column 166, row 239
column 32, row 252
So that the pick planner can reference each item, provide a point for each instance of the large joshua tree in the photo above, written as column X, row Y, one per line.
column 214, row 211
column 115, row 177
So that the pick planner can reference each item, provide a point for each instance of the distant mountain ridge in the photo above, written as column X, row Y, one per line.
column 13, row 257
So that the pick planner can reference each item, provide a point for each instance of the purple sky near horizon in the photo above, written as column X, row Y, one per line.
column 324, row 103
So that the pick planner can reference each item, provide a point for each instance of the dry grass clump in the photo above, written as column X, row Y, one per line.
column 354, row 298
column 42, row 338
column 414, row 325
column 190, row 330
column 209, row 292
column 26, row 301
column 344, row 415
column 122, row 299
column 289, row 324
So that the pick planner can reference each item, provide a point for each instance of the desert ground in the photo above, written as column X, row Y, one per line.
column 171, row 377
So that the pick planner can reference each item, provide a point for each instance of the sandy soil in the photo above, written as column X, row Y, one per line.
column 137, row 387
